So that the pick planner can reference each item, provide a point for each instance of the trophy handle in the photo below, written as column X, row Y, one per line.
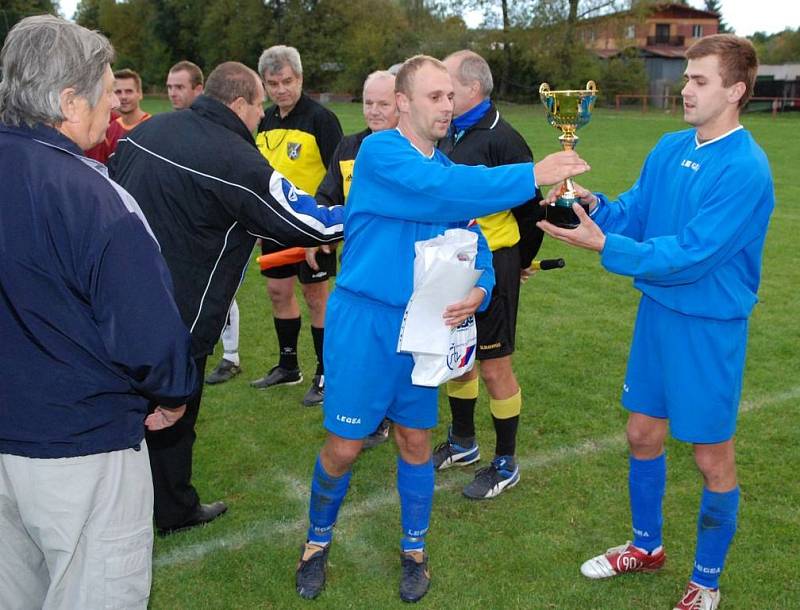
column 591, row 86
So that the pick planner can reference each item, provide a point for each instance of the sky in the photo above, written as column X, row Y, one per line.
column 744, row 16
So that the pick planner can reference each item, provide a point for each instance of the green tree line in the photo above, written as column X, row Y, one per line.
column 526, row 42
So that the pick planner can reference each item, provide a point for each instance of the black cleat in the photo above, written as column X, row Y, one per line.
column 416, row 579
column 278, row 376
column 316, row 393
column 204, row 513
column 224, row 371
column 309, row 577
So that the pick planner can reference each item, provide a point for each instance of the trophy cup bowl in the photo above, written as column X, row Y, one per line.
column 567, row 111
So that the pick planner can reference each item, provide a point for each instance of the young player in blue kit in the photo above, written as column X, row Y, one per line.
column 403, row 191
column 690, row 232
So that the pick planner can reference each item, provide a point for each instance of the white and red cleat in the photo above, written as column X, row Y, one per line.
column 623, row 559
column 698, row 598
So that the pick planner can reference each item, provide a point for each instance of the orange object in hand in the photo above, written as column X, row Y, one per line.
column 280, row 258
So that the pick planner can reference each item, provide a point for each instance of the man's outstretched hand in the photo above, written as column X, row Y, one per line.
column 559, row 166
column 586, row 235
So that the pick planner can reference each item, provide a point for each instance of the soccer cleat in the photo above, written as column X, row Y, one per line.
column 698, row 598
column 309, row 577
column 224, row 371
column 416, row 579
column 316, row 392
column 623, row 559
column 379, row 436
column 448, row 454
column 278, row 376
column 491, row 481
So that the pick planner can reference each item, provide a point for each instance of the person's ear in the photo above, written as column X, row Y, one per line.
column 402, row 101
column 69, row 103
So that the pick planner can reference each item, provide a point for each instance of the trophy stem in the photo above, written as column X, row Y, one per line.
column 561, row 213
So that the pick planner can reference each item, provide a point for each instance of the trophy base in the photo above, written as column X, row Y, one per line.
column 561, row 214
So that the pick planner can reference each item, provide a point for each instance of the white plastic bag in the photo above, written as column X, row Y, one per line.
column 444, row 273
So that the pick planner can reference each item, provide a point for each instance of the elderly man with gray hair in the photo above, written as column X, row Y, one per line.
column 90, row 330
column 297, row 136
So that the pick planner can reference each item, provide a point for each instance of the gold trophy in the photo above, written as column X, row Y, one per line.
column 568, row 111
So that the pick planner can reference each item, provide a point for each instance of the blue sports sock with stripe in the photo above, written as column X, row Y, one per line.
column 415, row 487
column 327, row 493
column 647, row 480
column 716, row 526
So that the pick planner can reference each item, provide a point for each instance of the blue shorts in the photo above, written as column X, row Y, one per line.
column 365, row 378
column 686, row 369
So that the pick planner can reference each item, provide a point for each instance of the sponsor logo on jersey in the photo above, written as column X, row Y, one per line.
column 293, row 150
column 353, row 421
column 692, row 165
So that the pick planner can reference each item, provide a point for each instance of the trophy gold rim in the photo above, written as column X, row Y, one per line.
column 591, row 88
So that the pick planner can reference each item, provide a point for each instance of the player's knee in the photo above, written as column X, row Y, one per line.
column 645, row 436
column 280, row 294
column 339, row 454
column 716, row 463
column 316, row 296
column 414, row 445
column 498, row 377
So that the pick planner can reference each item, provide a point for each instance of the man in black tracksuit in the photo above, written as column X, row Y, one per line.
column 479, row 136
column 208, row 193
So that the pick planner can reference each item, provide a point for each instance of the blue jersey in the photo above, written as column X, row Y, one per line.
column 399, row 197
column 691, row 230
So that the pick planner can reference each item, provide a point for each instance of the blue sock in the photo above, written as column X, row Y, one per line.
column 415, row 486
column 646, row 482
column 327, row 493
column 716, row 526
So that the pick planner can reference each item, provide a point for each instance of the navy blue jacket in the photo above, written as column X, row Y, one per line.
column 89, row 330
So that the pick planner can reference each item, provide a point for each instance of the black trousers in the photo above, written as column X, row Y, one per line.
column 175, row 498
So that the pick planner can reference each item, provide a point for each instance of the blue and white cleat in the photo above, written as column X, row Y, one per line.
column 501, row 474
column 448, row 454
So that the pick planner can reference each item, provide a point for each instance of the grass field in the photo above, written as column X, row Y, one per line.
column 256, row 449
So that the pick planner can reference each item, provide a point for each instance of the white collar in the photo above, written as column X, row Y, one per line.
column 414, row 146
column 717, row 139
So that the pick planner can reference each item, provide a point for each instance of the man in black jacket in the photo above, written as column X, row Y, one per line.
column 208, row 193
column 479, row 136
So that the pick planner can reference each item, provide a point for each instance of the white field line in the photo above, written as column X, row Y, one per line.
column 297, row 491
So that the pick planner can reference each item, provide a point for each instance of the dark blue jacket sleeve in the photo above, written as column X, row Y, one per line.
column 132, row 301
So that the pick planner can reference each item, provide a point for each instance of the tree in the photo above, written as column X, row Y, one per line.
column 12, row 11
column 780, row 48
column 713, row 6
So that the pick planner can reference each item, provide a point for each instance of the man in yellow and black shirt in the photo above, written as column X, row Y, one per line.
column 479, row 136
column 297, row 136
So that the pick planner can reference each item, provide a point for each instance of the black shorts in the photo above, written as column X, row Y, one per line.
column 497, row 326
column 304, row 273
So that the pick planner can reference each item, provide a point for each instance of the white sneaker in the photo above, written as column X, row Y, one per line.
column 698, row 598
column 623, row 559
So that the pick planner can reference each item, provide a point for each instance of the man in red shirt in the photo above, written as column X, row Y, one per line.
column 128, row 88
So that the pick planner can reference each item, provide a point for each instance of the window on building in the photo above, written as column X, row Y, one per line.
column 662, row 33
column 697, row 31
column 630, row 31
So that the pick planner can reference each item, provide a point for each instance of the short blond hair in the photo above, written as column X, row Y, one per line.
column 405, row 76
